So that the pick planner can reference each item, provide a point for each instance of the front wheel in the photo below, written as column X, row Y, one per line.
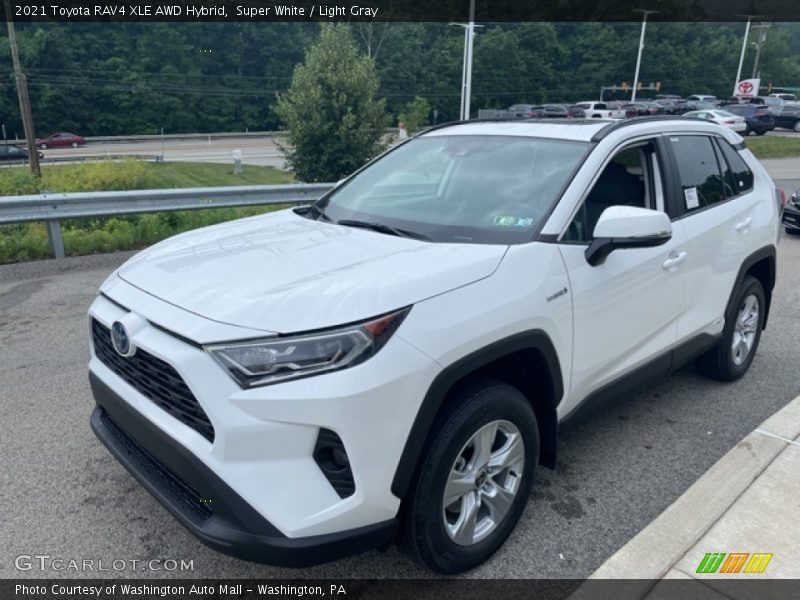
column 797, row 126
column 732, row 356
column 74, row 144
column 475, row 480
column 761, row 132
column 43, row 146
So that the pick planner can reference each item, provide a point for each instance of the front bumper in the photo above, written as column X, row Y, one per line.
column 791, row 216
column 205, row 504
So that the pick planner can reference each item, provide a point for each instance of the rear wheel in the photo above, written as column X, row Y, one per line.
column 734, row 353
column 746, row 129
column 74, row 144
column 797, row 126
column 761, row 132
column 475, row 479
column 43, row 146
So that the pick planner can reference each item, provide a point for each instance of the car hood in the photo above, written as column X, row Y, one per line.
column 284, row 273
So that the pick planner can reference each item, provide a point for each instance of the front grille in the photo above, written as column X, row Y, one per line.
column 157, row 474
column 154, row 379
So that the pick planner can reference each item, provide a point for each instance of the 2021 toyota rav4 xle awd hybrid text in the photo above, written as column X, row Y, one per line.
column 395, row 360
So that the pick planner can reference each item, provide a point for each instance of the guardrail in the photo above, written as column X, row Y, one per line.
column 127, row 139
column 52, row 208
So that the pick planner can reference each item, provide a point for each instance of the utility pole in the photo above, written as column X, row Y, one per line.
column 22, row 92
column 466, row 72
column 641, row 47
column 761, row 39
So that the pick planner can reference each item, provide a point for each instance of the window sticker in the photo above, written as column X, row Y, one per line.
column 510, row 221
column 690, row 195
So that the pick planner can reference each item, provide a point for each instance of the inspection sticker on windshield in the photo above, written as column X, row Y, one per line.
column 690, row 194
column 513, row 221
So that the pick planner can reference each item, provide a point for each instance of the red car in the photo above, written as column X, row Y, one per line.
column 60, row 139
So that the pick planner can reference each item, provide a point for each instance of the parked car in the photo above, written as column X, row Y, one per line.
column 58, row 140
column 721, row 117
column 653, row 108
column 759, row 119
column 599, row 110
column 791, row 214
column 774, row 104
column 566, row 111
column 634, row 110
column 574, row 111
column 788, row 117
column 390, row 372
column 668, row 97
column 555, row 111
column 670, row 106
column 702, row 98
column 526, row 111
column 691, row 105
column 786, row 97
column 11, row 154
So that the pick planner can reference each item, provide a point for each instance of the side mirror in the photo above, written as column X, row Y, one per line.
column 627, row 227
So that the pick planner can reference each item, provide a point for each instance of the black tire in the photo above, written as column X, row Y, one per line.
column 747, row 130
column 796, row 126
column 719, row 363
column 423, row 533
column 792, row 231
column 761, row 131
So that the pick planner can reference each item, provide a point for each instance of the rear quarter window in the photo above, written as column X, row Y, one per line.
column 737, row 174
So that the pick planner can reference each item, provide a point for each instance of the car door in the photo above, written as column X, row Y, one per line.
column 714, row 206
column 625, row 310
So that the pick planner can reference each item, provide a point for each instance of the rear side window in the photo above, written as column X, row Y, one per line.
column 700, row 177
column 738, row 175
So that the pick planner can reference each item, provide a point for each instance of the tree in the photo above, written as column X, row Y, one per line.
column 334, row 121
column 415, row 114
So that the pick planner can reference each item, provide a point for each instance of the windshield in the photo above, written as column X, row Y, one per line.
column 463, row 189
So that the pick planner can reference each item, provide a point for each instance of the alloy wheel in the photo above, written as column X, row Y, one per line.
column 483, row 482
column 744, row 331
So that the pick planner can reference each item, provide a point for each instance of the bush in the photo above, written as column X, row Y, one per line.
column 415, row 114
column 87, row 236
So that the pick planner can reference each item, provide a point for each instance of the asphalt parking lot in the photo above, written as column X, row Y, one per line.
column 64, row 496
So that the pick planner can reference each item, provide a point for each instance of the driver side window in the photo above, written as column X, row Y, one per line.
column 631, row 178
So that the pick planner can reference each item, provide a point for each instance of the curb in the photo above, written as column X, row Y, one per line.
column 653, row 551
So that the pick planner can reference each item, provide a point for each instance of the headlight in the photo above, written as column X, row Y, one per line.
column 280, row 358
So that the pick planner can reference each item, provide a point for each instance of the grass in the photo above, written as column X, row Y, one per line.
column 185, row 175
column 768, row 146
column 28, row 241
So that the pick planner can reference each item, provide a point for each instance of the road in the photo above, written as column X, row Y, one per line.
column 261, row 151
column 63, row 495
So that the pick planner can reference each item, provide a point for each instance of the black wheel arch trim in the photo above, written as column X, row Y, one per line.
column 768, row 252
column 437, row 392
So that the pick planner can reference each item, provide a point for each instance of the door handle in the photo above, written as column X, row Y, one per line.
column 743, row 225
column 675, row 258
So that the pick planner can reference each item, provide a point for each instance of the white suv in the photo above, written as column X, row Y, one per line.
column 395, row 360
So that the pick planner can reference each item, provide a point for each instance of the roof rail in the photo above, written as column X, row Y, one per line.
column 452, row 123
column 632, row 121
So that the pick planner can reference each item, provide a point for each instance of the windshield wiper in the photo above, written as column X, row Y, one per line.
column 320, row 213
column 382, row 228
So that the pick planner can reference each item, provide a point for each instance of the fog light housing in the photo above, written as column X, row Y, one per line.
column 331, row 458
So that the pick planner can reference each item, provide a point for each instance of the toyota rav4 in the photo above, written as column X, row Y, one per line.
column 395, row 360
